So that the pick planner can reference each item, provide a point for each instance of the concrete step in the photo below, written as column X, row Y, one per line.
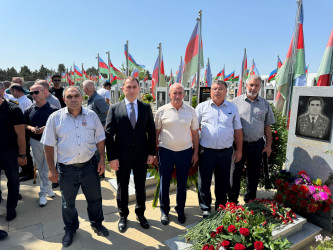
column 303, row 239
column 290, row 229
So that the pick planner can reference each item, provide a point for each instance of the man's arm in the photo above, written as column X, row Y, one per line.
column 49, row 155
column 195, row 141
column 110, row 131
column 151, row 136
column 158, row 131
column 20, row 132
column 101, row 151
column 268, row 147
column 238, row 137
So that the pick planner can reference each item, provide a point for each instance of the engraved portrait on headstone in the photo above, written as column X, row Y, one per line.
column 314, row 117
column 160, row 99
column 186, row 95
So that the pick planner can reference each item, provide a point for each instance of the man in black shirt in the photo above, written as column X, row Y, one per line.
column 57, row 90
column 35, row 120
column 12, row 152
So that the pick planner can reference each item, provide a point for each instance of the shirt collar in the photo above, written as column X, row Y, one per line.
column 172, row 107
column 128, row 102
column 83, row 111
column 245, row 97
column 224, row 103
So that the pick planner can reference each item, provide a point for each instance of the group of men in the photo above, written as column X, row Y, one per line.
column 69, row 143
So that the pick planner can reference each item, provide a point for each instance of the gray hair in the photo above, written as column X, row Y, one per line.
column 43, row 83
column 177, row 84
column 220, row 82
column 74, row 87
column 254, row 77
column 89, row 84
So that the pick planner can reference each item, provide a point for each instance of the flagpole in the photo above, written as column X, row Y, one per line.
column 159, row 64
column 199, row 19
column 98, row 69
column 330, row 81
column 127, row 69
column 108, row 53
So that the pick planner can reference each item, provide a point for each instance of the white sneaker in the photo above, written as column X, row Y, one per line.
column 42, row 201
column 50, row 194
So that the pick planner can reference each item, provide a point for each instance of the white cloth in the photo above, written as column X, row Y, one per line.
column 75, row 137
column 24, row 102
column 128, row 108
column 106, row 94
column 10, row 97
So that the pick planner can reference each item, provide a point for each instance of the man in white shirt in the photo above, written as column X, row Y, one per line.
column 18, row 92
column 105, row 92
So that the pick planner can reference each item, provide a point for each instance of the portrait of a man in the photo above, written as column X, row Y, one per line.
column 186, row 95
column 314, row 117
column 160, row 99
column 269, row 94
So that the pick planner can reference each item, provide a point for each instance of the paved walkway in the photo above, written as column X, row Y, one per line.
column 42, row 228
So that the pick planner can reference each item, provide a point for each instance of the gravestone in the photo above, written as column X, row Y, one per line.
column 310, row 145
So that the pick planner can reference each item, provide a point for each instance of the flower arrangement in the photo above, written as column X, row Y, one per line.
column 324, row 243
column 192, row 179
column 301, row 193
column 240, row 227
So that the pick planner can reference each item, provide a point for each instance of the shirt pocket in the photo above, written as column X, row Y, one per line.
column 259, row 114
column 90, row 136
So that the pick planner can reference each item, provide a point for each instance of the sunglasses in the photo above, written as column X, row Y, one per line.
column 56, row 80
column 34, row 92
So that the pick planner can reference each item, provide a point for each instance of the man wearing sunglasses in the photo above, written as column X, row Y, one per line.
column 35, row 120
column 77, row 133
column 57, row 90
column 49, row 97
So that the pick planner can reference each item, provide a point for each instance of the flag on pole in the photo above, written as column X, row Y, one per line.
column 230, row 76
column 193, row 80
column 191, row 55
column 135, row 73
column 325, row 69
column 85, row 76
column 300, row 74
column 171, row 79
column 208, row 76
column 77, row 71
column 235, row 79
column 131, row 60
column 220, row 75
column 116, row 72
column 154, row 78
column 179, row 72
column 273, row 73
column 162, row 74
column 243, row 74
column 103, row 67
column 253, row 70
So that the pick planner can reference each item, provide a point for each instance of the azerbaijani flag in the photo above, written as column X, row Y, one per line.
column 179, row 73
column 192, row 53
column 85, row 76
column 102, row 67
column 131, row 60
column 171, row 79
column 230, row 76
column 77, row 71
column 193, row 80
column 208, row 76
column 253, row 70
column 273, row 73
column 135, row 73
column 154, row 78
column 220, row 75
column 243, row 74
column 114, row 71
column 282, row 80
column 325, row 68
column 235, row 79
column 162, row 74
column 300, row 74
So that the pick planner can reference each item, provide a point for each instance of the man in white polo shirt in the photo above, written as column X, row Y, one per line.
column 177, row 132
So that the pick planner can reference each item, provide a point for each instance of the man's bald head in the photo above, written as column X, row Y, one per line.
column 176, row 85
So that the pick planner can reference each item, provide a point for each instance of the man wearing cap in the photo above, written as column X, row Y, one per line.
column 105, row 92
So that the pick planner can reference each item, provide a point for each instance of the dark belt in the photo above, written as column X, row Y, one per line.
column 79, row 164
column 253, row 142
column 217, row 150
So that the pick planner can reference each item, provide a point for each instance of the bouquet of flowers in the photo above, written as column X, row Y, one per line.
column 240, row 227
column 301, row 193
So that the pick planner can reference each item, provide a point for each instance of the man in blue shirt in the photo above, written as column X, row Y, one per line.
column 220, row 127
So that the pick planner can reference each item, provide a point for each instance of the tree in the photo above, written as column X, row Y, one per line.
column 92, row 71
column 61, row 68
column 11, row 73
column 43, row 72
column 26, row 73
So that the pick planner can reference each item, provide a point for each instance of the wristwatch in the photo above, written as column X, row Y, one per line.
column 23, row 156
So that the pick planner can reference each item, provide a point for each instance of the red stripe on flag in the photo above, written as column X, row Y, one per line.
column 300, row 44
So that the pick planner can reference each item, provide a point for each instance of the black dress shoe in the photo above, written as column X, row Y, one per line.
column 205, row 214
column 68, row 238
column 11, row 214
column 181, row 218
column 122, row 225
column 165, row 219
column 3, row 234
column 143, row 221
column 100, row 230
column 55, row 185
column 26, row 177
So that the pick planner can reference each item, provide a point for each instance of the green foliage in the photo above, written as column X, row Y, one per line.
column 122, row 97
column 194, row 101
column 92, row 71
column 325, row 243
column 61, row 68
column 148, row 97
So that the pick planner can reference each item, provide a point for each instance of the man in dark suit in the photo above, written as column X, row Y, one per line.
column 130, row 145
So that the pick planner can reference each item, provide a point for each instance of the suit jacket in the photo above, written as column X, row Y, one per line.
column 130, row 146
column 319, row 130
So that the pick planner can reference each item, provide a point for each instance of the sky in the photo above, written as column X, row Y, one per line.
column 49, row 32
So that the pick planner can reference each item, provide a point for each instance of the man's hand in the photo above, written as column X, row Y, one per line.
column 21, row 161
column 156, row 160
column 150, row 159
column 238, row 155
column 194, row 159
column 101, row 167
column 114, row 165
column 268, row 150
column 53, row 175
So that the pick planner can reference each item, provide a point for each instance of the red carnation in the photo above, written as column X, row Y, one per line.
column 294, row 188
column 278, row 182
column 239, row 246
column 213, row 234
column 219, row 229
column 304, row 189
column 275, row 132
column 205, row 247
column 276, row 138
column 258, row 245
column 326, row 209
column 244, row 231
column 211, row 247
column 225, row 243
column 302, row 172
column 232, row 229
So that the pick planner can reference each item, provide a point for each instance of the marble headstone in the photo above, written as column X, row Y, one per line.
column 310, row 146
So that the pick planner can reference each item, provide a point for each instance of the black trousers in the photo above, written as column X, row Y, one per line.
column 217, row 162
column 8, row 162
column 252, row 154
column 123, row 177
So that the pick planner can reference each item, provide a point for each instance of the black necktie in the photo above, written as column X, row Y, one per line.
column 132, row 115
column 313, row 122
